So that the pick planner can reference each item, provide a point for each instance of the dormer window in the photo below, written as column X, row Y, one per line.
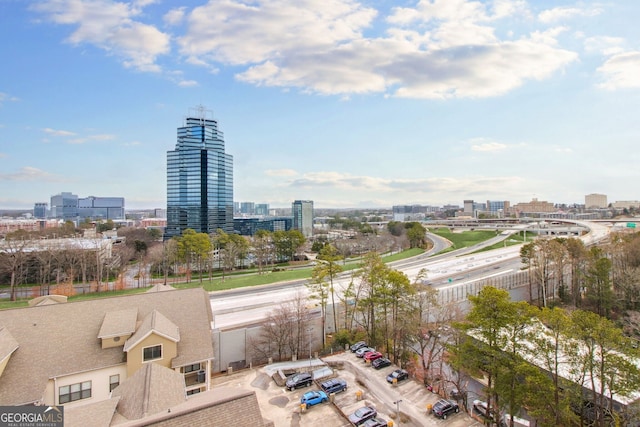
column 152, row 353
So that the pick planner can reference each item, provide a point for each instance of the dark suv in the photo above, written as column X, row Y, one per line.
column 299, row 380
column 444, row 407
column 335, row 385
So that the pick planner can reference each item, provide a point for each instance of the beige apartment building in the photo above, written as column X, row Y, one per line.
column 119, row 358
column 595, row 201
column 533, row 207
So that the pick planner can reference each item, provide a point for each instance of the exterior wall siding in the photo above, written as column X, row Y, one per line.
column 99, row 385
column 134, row 356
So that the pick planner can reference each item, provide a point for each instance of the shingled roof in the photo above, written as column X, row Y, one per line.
column 152, row 389
column 118, row 323
column 61, row 339
column 8, row 344
column 154, row 322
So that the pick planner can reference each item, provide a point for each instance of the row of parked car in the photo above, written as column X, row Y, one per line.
column 442, row 409
column 378, row 361
column 365, row 416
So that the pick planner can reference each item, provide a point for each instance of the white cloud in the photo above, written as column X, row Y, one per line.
column 3, row 155
column 101, row 137
column 6, row 97
column 58, row 132
column 327, row 184
column 483, row 145
column 174, row 16
column 439, row 49
column 110, row 26
column 621, row 71
column 604, row 45
column 235, row 32
column 280, row 172
column 563, row 13
column 478, row 71
column 566, row 150
column 79, row 139
column 187, row 83
column 29, row 173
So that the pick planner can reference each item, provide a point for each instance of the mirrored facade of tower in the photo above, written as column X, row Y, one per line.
column 302, row 212
column 199, row 179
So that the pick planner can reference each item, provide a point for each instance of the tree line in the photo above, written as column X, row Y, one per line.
column 604, row 279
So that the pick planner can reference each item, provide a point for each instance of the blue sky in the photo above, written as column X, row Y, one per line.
column 347, row 103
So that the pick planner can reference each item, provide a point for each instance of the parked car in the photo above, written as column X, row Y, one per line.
column 335, row 385
column 362, row 415
column 314, row 397
column 371, row 356
column 398, row 375
column 363, row 350
column 443, row 408
column 482, row 408
column 381, row 363
column 357, row 346
column 375, row 422
column 298, row 380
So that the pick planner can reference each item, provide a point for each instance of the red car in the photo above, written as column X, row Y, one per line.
column 371, row 356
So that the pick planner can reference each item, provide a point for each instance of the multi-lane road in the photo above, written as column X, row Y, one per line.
column 248, row 306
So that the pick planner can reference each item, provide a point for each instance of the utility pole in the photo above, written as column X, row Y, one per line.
column 397, row 403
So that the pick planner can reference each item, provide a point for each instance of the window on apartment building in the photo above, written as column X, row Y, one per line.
column 151, row 353
column 114, row 381
column 73, row 392
column 191, row 368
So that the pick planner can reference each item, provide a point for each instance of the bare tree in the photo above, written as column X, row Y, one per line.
column 13, row 254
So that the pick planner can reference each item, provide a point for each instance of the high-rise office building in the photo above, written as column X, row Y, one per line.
column 64, row 206
column 247, row 208
column 302, row 211
column 199, row 179
column 40, row 210
column 262, row 209
column 101, row 207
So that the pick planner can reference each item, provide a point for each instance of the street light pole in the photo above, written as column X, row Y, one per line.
column 397, row 403
column 309, row 333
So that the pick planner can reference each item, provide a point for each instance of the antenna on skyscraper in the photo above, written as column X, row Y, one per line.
column 201, row 112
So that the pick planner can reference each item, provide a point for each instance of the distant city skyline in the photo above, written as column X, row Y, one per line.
column 354, row 104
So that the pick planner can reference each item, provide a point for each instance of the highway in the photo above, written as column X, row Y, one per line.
column 247, row 306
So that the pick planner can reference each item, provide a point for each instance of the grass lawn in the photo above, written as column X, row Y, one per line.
column 514, row 239
column 254, row 279
column 464, row 239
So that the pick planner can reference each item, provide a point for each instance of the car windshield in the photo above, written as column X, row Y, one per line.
column 362, row 411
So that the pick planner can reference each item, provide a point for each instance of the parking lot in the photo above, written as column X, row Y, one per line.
column 366, row 386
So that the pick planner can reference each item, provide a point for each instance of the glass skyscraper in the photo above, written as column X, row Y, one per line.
column 302, row 212
column 199, row 180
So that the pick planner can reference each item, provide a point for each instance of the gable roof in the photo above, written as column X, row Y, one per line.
column 8, row 344
column 152, row 389
column 156, row 323
column 118, row 323
column 160, row 287
column 92, row 414
column 61, row 339
column 47, row 299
